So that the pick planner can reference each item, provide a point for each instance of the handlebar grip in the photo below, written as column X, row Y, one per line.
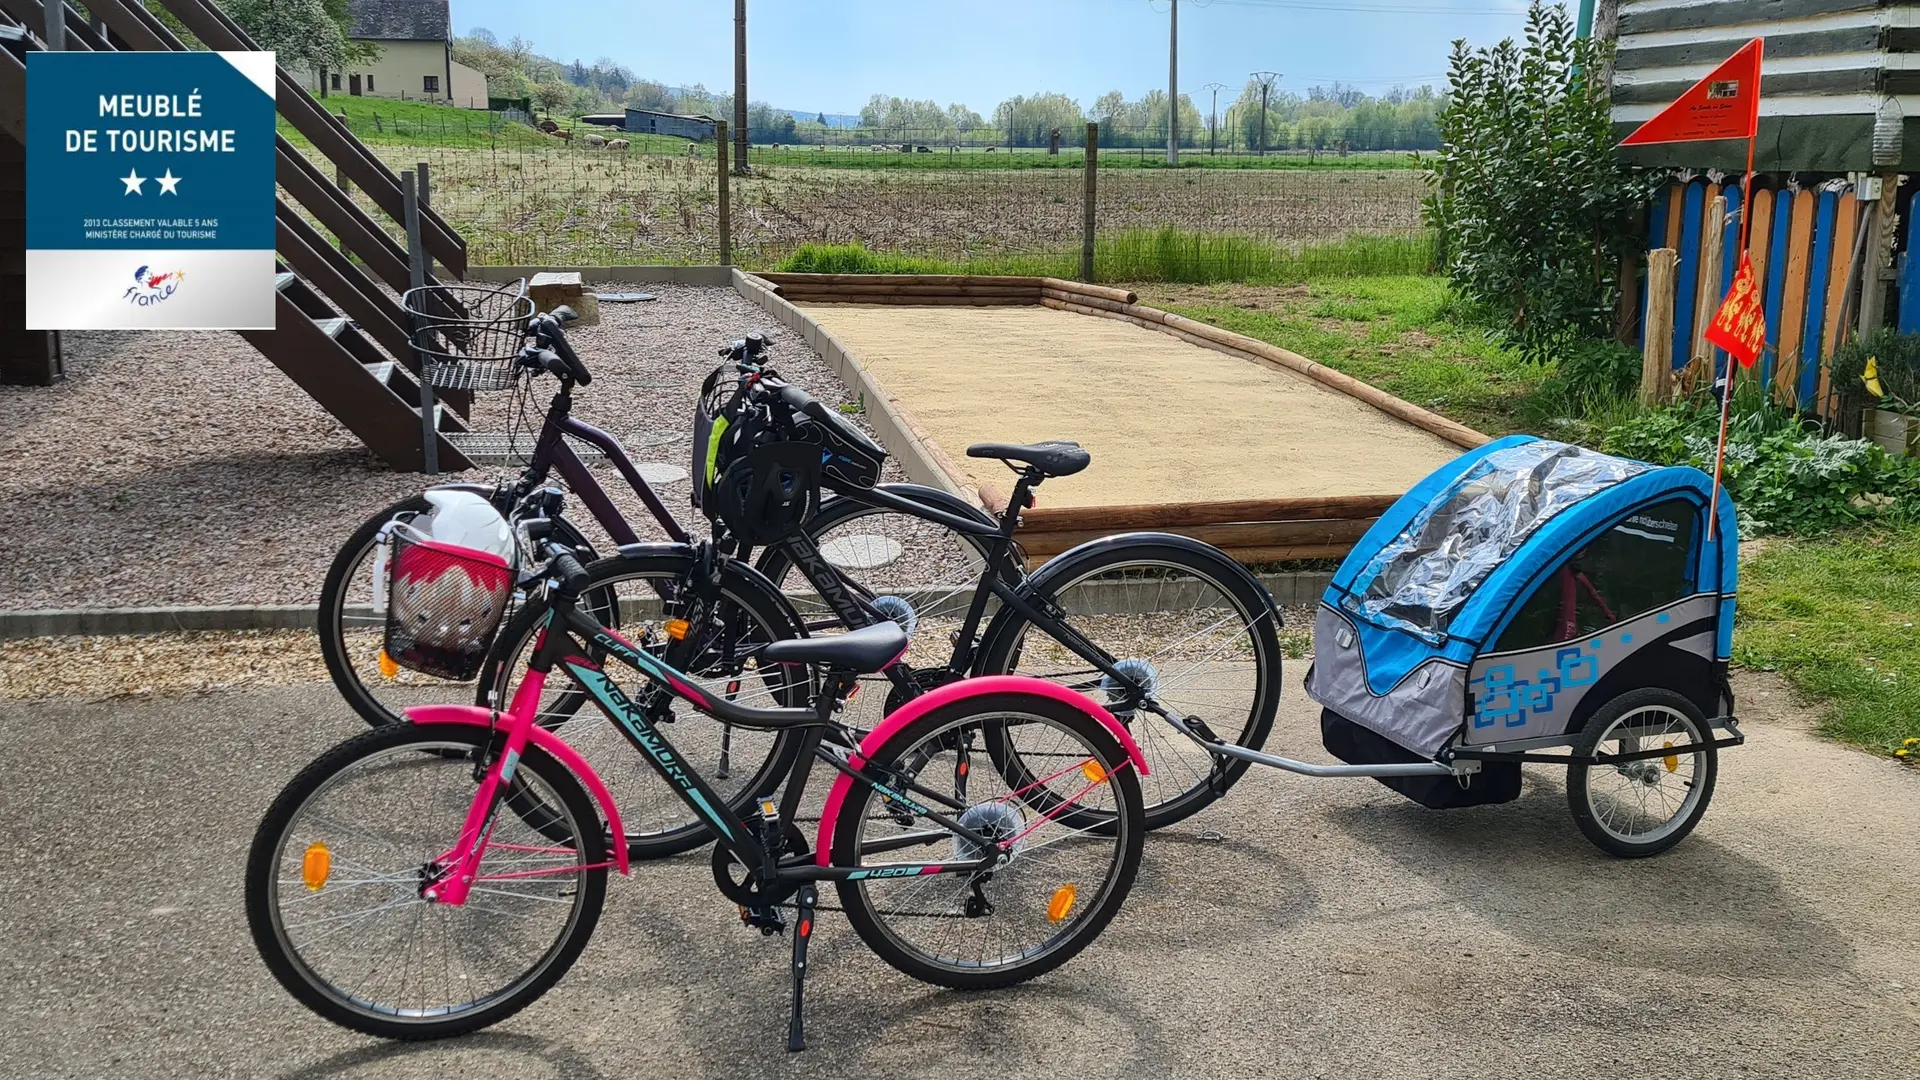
column 546, row 330
column 573, row 576
column 580, row 373
column 795, row 398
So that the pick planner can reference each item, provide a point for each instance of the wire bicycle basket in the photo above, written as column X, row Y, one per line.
column 468, row 337
column 444, row 604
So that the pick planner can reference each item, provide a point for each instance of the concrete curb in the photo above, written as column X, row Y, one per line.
column 683, row 275
column 1289, row 590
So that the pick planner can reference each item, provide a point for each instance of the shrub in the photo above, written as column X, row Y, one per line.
column 1529, row 201
column 1785, row 475
column 1896, row 357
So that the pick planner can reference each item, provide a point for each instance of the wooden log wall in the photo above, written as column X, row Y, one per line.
column 1251, row 530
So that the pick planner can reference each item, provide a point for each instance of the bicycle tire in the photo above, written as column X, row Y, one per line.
column 265, row 857
column 341, row 577
column 739, row 585
column 867, row 920
column 1001, row 653
column 1593, row 822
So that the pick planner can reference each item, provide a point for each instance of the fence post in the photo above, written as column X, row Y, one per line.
column 422, row 188
column 726, row 222
column 417, row 274
column 1656, row 359
column 1089, row 200
column 1709, row 292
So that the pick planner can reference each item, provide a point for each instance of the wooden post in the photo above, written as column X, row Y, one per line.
column 1656, row 359
column 417, row 274
column 346, row 190
column 1708, row 295
column 726, row 222
column 1627, row 311
column 1089, row 200
column 422, row 188
column 1880, row 233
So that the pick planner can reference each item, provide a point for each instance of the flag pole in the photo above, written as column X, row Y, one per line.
column 1746, row 222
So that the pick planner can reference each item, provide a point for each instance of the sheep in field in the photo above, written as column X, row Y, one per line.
column 594, row 140
column 618, row 144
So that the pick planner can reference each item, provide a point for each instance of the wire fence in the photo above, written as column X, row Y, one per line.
column 913, row 200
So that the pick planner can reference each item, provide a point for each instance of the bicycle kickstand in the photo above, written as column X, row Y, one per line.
column 802, row 934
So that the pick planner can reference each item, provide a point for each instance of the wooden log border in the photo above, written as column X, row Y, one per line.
column 1251, row 530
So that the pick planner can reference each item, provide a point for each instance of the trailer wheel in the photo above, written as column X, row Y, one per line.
column 1633, row 809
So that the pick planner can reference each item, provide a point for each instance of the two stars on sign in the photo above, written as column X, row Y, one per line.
column 169, row 183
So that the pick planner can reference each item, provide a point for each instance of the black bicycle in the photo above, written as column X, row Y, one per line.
column 1143, row 622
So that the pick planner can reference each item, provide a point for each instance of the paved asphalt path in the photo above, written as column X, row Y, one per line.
column 1330, row 928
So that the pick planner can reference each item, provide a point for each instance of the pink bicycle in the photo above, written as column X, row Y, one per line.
column 431, row 878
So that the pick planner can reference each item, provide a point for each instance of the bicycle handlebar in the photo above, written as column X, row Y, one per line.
column 546, row 330
column 573, row 576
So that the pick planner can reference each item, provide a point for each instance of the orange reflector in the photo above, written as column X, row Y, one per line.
column 964, row 766
column 677, row 628
column 388, row 669
column 806, row 927
column 1093, row 772
column 1062, row 902
column 1672, row 761
column 317, row 866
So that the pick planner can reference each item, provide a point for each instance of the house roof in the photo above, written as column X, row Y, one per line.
column 400, row 20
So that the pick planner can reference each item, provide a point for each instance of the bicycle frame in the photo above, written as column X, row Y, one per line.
column 552, row 453
column 556, row 647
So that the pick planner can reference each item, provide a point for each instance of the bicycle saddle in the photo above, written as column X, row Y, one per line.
column 1055, row 457
column 861, row 651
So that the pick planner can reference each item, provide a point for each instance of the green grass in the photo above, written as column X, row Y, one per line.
column 1403, row 333
column 390, row 122
column 1839, row 618
column 1164, row 255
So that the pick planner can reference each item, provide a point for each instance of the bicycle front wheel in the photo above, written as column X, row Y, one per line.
column 1059, row 884
column 1190, row 625
column 337, row 872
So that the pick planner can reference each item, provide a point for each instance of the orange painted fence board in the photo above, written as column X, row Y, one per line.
column 1793, row 300
column 1846, row 224
column 1759, row 231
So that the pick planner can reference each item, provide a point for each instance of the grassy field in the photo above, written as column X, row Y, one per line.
column 1402, row 333
column 976, row 156
column 1838, row 617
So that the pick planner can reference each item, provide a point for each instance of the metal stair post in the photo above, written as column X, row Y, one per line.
column 417, row 269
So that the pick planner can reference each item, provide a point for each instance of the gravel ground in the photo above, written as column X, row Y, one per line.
column 1298, row 928
column 184, row 468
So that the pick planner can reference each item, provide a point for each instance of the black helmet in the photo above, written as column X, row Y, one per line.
column 765, row 493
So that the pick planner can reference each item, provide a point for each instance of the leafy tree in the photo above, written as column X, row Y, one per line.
column 552, row 95
column 821, row 119
column 1109, row 107
column 765, row 124
column 964, row 120
column 303, row 33
column 1030, row 121
column 1527, row 195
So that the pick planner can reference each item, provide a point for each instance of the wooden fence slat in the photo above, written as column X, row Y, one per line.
column 1793, row 298
column 1676, row 195
column 1759, row 235
column 1819, row 265
column 1776, row 280
column 1729, row 262
column 1709, row 293
column 1909, row 282
column 1686, row 276
column 1656, row 238
column 1656, row 362
column 1839, row 276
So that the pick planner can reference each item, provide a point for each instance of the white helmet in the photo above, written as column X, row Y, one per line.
column 463, row 519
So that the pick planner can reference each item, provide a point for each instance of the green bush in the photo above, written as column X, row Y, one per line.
column 1785, row 475
column 1529, row 201
column 1895, row 355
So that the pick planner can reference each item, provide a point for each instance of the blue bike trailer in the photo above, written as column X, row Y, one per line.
column 1513, row 594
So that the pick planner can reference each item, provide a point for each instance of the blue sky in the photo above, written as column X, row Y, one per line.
column 830, row 55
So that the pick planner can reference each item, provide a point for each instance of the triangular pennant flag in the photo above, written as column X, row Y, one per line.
column 1740, row 326
column 1724, row 105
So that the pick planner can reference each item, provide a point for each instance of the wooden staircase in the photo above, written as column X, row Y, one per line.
column 340, row 336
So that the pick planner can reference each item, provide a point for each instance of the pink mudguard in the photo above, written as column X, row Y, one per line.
column 926, row 703
column 475, row 716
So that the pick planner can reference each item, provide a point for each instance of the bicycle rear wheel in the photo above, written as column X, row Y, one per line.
column 337, row 869
column 1191, row 624
column 353, row 635
column 1061, row 885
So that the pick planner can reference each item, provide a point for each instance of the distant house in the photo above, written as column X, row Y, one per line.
column 415, row 38
column 647, row 122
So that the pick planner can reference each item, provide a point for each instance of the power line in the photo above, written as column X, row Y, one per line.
column 1396, row 9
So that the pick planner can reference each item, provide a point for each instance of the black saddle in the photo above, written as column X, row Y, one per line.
column 1055, row 457
column 861, row 651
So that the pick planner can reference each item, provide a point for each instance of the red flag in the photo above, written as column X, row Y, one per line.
column 1724, row 105
column 1740, row 326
